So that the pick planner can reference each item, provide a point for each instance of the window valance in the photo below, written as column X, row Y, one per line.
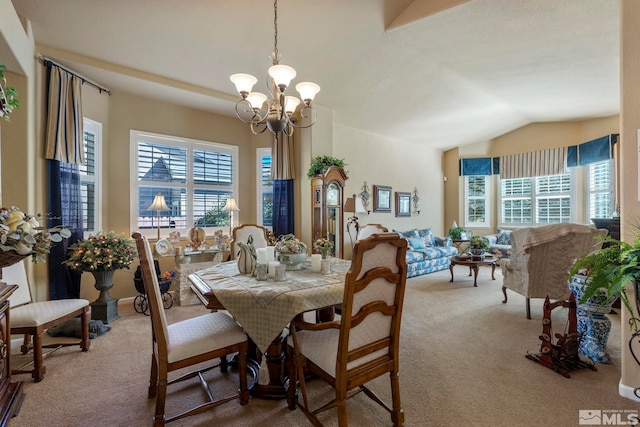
column 479, row 166
column 541, row 163
column 537, row 163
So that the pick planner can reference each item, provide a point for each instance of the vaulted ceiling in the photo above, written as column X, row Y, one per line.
column 438, row 72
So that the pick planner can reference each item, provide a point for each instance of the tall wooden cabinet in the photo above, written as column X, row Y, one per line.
column 11, row 395
column 327, row 201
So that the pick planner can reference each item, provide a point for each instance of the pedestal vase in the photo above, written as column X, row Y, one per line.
column 593, row 323
column 104, row 308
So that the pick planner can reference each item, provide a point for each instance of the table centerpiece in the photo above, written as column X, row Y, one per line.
column 291, row 251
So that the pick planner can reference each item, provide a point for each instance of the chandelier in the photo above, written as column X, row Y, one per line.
column 278, row 116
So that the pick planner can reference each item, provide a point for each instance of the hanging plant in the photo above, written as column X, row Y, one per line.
column 321, row 163
column 8, row 100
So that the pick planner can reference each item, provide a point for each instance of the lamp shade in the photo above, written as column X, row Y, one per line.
column 257, row 100
column 231, row 205
column 244, row 82
column 159, row 204
column 282, row 75
column 307, row 90
column 290, row 104
column 350, row 204
column 359, row 206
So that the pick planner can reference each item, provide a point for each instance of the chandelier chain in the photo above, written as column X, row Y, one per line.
column 275, row 32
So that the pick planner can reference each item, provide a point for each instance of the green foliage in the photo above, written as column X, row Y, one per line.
column 610, row 268
column 321, row 163
column 214, row 217
column 479, row 242
column 8, row 96
column 456, row 232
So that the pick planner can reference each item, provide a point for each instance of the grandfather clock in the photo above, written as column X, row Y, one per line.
column 327, row 200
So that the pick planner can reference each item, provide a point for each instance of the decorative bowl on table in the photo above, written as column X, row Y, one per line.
column 292, row 261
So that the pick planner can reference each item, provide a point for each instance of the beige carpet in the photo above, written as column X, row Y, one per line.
column 462, row 363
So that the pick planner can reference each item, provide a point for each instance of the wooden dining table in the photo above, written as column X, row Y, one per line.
column 265, row 308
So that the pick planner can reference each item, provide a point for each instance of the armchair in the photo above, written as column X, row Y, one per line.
column 368, row 229
column 541, row 258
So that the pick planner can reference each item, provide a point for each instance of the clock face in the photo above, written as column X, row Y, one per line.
column 163, row 247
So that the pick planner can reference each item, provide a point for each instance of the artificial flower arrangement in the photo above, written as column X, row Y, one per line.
column 289, row 244
column 323, row 244
column 101, row 252
column 21, row 233
column 168, row 275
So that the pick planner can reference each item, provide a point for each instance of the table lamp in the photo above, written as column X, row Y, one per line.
column 350, row 206
column 158, row 205
column 231, row 207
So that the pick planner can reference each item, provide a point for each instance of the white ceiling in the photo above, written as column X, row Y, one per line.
column 462, row 75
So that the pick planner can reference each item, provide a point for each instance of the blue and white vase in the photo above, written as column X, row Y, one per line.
column 593, row 323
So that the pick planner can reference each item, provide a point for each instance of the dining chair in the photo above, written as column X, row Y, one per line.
column 364, row 343
column 186, row 343
column 242, row 232
column 32, row 319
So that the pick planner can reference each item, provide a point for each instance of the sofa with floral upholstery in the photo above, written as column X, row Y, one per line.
column 427, row 253
column 500, row 243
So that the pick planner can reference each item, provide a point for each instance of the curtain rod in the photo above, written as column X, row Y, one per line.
column 46, row 61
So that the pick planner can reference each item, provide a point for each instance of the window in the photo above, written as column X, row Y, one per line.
column 90, row 176
column 265, row 188
column 476, row 207
column 600, row 188
column 537, row 201
column 195, row 178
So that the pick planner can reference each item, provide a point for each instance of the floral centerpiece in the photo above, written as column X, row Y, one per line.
column 101, row 252
column 21, row 235
column 291, row 251
column 324, row 246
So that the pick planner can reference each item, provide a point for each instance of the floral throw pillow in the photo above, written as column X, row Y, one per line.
column 504, row 237
column 427, row 235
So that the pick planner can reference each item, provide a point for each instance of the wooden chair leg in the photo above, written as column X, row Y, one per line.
column 397, row 415
column 84, row 321
column 153, row 377
column 528, row 308
column 38, row 365
column 161, row 398
column 26, row 344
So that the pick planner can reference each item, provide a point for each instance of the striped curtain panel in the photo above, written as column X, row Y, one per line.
column 538, row 163
column 282, row 173
column 282, row 160
column 64, row 120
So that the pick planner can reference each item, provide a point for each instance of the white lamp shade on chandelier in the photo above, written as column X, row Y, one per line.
column 279, row 114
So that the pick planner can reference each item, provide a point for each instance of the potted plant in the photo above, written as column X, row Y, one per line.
column 608, row 271
column 321, row 163
column 478, row 245
column 458, row 233
column 597, row 280
column 8, row 100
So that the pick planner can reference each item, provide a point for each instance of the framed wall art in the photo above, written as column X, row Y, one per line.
column 403, row 204
column 381, row 198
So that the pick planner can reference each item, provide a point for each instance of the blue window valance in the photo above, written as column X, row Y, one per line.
column 539, row 163
column 596, row 150
column 479, row 166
